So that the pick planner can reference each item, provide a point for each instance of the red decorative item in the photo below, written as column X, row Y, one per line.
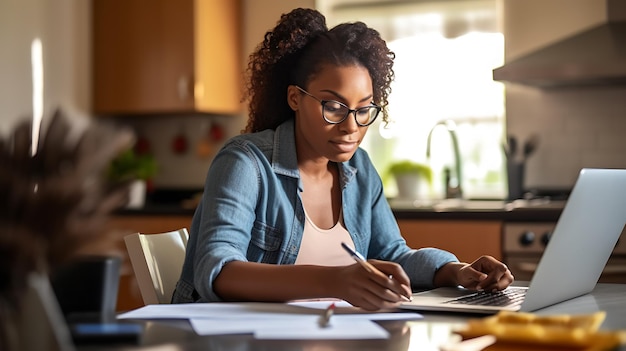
column 180, row 144
column 216, row 132
column 142, row 146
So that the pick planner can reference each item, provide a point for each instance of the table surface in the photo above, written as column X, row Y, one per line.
column 425, row 334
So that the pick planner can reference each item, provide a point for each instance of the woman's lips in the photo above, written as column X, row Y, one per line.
column 345, row 146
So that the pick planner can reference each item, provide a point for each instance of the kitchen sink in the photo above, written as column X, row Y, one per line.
column 448, row 204
column 461, row 204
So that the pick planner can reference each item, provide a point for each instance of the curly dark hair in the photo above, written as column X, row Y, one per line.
column 297, row 49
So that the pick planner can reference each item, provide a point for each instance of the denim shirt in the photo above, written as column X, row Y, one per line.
column 251, row 210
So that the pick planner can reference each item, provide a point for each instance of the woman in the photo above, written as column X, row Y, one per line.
column 280, row 199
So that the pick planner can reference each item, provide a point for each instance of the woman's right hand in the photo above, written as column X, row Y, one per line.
column 373, row 290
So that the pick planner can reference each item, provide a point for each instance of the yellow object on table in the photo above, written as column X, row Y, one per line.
column 577, row 332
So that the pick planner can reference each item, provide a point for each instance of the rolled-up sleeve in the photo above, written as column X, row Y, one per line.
column 225, row 225
column 422, row 264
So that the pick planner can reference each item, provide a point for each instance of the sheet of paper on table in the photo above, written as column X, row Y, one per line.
column 293, row 328
column 297, row 320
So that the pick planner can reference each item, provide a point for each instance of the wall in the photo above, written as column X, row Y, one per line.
column 578, row 127
column 63, row 26
column 261, row 16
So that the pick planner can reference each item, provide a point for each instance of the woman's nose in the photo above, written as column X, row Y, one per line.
column 349, row 124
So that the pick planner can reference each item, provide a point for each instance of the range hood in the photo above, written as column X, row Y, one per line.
column 596, row 56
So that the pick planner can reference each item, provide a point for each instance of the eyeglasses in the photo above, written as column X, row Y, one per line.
column 334, row 112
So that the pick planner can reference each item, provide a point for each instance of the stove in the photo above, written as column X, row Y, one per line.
column 523, row 244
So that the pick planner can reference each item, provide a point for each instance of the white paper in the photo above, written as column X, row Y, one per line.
column 339, row 328
column 225, row 326
column 216, row 310
column 294, row 320
column 256, row 310
column 304, row 327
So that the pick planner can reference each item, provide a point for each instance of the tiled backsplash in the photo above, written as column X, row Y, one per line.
column 187, row 170
column 579, row 127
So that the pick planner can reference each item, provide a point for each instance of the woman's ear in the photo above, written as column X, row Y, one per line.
column 292, row 97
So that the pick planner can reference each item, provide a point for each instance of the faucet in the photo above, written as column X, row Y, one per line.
column 451, row 191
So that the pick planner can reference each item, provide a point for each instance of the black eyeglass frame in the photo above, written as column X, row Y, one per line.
column 350, row 111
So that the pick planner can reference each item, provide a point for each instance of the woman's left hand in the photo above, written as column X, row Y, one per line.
column 485, row 273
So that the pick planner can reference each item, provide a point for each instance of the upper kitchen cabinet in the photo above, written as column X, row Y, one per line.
column 166, row 56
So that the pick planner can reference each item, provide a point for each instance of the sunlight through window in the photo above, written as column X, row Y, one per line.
column 445, row 54
column 36, row 55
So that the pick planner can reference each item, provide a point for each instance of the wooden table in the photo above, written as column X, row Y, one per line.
column 425, row 334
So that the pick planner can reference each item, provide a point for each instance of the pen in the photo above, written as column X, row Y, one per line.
column 368, row 266
column 325, row 317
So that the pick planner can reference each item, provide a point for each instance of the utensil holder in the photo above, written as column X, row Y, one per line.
column 515, row 176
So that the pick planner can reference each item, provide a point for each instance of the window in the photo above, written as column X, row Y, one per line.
column 445, row 53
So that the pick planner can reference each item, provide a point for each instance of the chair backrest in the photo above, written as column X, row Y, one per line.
column 157, row 261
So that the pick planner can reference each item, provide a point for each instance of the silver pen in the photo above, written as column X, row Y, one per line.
column 324, row 320
column 368, row 266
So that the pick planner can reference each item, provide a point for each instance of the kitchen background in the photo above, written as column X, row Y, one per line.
column 578, row 126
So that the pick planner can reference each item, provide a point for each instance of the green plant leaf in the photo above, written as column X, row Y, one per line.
column 407, row 166
column 129, row 165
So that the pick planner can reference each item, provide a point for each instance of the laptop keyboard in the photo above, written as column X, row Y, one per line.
column 508, row 297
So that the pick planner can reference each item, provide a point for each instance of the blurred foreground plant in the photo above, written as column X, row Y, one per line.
column 53, row 204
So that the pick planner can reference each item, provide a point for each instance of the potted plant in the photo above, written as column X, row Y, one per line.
column 408, row 175
column 135, row 168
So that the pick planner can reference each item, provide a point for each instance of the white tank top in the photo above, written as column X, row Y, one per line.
column 322, row 247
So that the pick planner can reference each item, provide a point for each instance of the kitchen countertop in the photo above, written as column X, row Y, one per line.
column 156, row 209
column 538, row 210
column 174, row 202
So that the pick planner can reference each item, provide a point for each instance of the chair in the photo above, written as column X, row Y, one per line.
column 157, row 261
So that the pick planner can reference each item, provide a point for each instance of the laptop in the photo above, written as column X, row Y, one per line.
column 583, row 239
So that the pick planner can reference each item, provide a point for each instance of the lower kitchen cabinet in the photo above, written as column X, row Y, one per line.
column 467, row 239
column 148, row 224
column 129, row 296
